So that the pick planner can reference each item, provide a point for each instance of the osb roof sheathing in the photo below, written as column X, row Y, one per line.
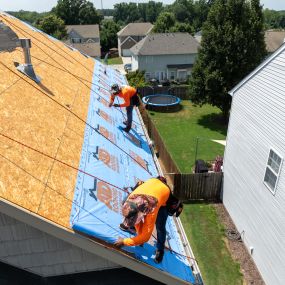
column 29, row 115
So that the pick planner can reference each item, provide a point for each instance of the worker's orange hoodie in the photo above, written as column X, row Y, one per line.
column 152, row 187
column 126, row 93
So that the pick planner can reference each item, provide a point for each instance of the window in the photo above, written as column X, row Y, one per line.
column 172, row 75
column 182, row 74
column 76, row 40
column 272, row 170
column 147, row 76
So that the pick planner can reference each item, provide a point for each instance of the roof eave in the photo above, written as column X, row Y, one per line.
column 87, row 244
column 257, row 69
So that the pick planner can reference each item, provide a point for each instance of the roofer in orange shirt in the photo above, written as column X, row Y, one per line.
column 129, row 94
column 145, row 207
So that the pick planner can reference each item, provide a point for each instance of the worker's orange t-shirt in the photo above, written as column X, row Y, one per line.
column 155, row 188
column 126, row 93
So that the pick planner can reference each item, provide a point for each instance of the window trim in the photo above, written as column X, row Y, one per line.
column 273, row 191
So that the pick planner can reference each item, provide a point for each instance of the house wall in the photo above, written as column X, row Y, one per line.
column 158, row 63
column 126, row 42
column 257, row 123
column 28, row 248
column 135, row 63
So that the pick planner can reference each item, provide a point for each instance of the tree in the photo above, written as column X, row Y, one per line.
column 27, row 16
column 153, row 10
column 274, row 19
column 53, row 26
column 232, row 46
column 136, row 78
column 164, row 23
column 182, row 28
column 77, row 12
column 130, row 12
column 108, row 34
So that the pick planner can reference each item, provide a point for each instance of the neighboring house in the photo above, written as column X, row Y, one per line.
column 165, row 56
column 254, row 169
column 85, row 38
column 198, row 37
column 130, row 35
column 274, row 39
column 64, row 163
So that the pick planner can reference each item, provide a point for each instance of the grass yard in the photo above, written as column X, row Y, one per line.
column 206, row 235
column 115, row 60
column 180, row 131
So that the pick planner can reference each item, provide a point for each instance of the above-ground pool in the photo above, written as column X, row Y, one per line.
column 161, row 102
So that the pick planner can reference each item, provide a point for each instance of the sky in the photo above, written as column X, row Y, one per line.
column 46, row 5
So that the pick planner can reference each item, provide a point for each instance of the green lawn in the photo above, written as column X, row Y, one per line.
column 115, row 60
column 206, row 236
column 180, row 131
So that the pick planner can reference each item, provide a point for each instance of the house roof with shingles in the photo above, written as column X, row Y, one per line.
column 91, row 49
column 135, row 29
column 166, row 44
column 86, row 31
column 274, row 39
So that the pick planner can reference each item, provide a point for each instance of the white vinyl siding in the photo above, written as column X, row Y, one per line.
column 272, row 171
column 257, row 123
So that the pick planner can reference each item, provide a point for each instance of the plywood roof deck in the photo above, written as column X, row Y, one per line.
column 27, row 114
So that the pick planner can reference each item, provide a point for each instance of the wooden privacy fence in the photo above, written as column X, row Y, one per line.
column 198, row 186
column 202, row 186
column 181, row 92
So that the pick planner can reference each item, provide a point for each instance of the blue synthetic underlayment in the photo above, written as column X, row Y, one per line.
column 96, row 207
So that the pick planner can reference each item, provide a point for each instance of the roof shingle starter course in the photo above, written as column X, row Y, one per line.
column 166, row 44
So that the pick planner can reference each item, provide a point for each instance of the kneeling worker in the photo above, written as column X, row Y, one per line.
column 129, row 94
column 141, row 210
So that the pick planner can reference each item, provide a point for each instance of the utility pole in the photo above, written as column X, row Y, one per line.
column 102, row 6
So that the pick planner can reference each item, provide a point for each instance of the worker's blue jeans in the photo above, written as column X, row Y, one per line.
column 161, row 227
column 129, row 115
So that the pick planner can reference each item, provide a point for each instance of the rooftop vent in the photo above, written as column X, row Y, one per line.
column 27, row 67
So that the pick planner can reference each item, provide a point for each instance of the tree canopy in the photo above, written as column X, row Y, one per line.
column 77, row 12
column 131, row 12
column 108, row 34
column 164, row 23
column 53, row 26
column 274, row 19
column 232, row 46
column 27, row 16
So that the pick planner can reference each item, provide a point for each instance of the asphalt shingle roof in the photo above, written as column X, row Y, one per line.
column 86, row 31
column 274, row 39
column 135, row 29
column 167, row 43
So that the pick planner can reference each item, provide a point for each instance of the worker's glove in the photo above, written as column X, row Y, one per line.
column 116, row 105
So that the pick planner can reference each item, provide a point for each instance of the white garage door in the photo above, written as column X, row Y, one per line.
column 126, row 52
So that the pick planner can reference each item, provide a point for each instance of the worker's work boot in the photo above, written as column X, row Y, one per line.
column 158, row 255
column 126, row 129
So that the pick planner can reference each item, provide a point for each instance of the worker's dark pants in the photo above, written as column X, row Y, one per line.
column 129, row 116
column 161, row 227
